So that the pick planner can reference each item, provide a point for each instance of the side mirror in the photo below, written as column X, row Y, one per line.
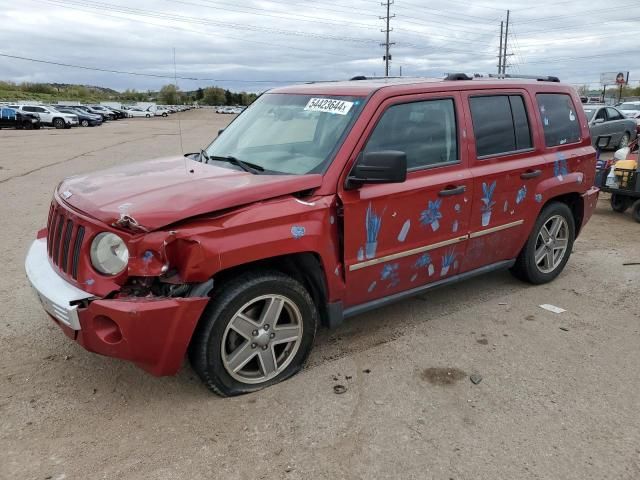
column 603, row 141
column 220, row 131
column 598, row 120
column 621, row 154
column 389, row 166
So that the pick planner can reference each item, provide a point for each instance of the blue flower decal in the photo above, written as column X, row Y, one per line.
column 522, row 193
column 431, row 215
column 297, row 232
column 390, row 272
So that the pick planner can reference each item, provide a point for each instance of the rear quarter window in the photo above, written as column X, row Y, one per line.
column 559, row 119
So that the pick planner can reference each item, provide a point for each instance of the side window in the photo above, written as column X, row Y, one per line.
column 500, row 124
column 29, row 109
column 613, row 114
column 602, row 114
column 559, row 119
column 426, row 131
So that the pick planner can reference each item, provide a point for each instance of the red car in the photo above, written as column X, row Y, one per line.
column 319, row 202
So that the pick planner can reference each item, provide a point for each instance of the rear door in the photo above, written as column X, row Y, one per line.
column 401, row 236
column 507, row 162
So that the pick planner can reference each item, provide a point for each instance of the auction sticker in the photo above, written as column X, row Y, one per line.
column 329, row 105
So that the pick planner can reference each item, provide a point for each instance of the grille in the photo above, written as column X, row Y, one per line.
column 64, row 241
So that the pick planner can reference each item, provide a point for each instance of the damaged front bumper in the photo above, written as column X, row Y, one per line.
column 152, row 332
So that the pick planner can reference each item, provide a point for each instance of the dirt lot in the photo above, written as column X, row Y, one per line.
column 559, row 397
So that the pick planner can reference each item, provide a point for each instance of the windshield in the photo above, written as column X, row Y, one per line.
column 629, row 106
column 290, row 134
column 589, row 112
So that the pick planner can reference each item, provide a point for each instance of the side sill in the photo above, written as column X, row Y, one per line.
column 365, row 307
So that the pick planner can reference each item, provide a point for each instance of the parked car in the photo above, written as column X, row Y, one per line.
column 49, row 115
column 320, row 202
column 159, row 112
column 609, row 121
column 102, row 114
column 631, row 110
column 85, row 119
column 11, row 118
column 104, row 110
column 136, row 112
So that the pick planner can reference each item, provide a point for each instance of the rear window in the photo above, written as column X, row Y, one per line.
column 559, row 119
column 500, row 124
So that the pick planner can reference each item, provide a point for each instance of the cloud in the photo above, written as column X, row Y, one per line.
column 231, row 44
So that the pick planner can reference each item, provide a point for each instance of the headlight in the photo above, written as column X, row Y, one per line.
column 109, row 253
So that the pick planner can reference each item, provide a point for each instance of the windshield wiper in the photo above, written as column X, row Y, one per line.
column 246, row 166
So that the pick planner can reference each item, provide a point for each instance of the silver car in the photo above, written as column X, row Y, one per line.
column 610, row 122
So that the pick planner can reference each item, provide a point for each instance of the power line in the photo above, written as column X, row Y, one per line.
column 140, row 74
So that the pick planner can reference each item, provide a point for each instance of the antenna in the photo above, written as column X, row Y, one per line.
column 175, row 83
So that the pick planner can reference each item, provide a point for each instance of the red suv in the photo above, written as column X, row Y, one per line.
column 319, row 202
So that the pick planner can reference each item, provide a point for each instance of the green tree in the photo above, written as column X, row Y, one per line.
column 213, row 96
column 169, row 95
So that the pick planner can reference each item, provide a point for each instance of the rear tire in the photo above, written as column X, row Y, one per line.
column 84, row 123
column 619, row 203
column 624, row 141
column 635, row 211
column 272, row 347
column 27, row 125
column 546, row 253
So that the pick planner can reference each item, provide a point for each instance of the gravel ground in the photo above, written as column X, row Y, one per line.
column 558, row 397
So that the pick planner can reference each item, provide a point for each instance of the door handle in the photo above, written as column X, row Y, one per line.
column 449, row 191
column 530, row 174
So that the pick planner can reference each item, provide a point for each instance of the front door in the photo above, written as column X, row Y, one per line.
column 401, row 236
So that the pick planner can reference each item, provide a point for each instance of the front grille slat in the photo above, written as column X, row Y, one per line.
column 75, row 259
column 57, row 238
column 65, row 239
column 65, row 245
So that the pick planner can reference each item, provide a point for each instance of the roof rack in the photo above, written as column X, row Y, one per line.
column 362, row 77
column 539, row 78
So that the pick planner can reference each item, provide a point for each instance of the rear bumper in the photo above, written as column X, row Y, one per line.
column 151, row 332
column 589, row 202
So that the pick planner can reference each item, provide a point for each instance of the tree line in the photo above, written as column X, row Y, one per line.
column 168, row 94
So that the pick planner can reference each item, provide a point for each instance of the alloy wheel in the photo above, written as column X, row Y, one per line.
column 551, row 244
column 261, row 339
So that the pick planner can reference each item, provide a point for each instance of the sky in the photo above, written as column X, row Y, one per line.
column 253, row 45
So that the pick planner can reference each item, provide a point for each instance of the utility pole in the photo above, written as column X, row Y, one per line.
column 400, row 70
column 500, row 49
column 386, row 31
column 506, row 37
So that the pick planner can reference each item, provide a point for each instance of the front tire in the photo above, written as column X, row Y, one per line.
column 256, row 331
column 84, row 123
column 58, row 123
column 549, row 246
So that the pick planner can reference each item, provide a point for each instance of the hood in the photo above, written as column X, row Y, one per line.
column 159, row 192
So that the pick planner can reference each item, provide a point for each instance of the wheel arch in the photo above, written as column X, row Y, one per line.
column 305, row 267
column 575, row 202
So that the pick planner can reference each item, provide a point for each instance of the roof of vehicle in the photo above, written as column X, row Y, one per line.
column 362, row 86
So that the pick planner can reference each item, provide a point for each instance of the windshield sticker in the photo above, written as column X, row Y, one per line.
column 329, row 105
